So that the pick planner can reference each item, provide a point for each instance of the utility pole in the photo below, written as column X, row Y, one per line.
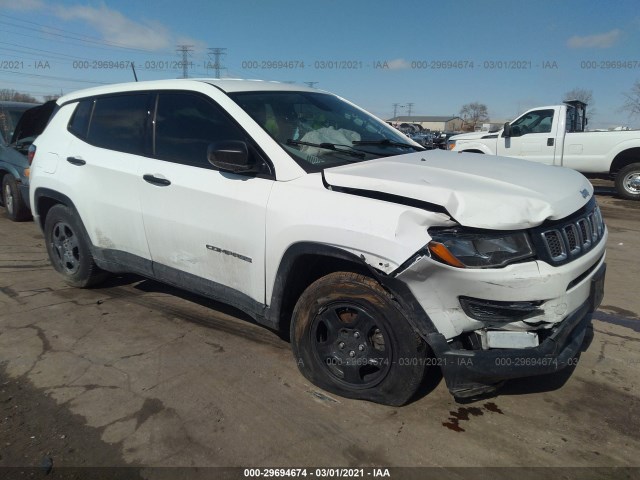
column 185, row 50
column 217, row 55
column 311, row 84
column 395, row 109
column 409, row 108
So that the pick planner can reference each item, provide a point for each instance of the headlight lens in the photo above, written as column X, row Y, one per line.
column 479, row 250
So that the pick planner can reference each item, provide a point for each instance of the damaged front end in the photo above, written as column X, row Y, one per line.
column 506, row 304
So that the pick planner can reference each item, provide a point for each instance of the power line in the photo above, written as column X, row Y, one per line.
column 50, row 77
column 71, row 35
column 217, row 55
column 38, row 50
column 76, row 44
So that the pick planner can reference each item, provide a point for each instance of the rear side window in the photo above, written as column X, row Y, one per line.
column 79, row 124
column 118, row 123
column 186, row 125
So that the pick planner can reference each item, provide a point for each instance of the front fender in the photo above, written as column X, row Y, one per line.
column 399, row 290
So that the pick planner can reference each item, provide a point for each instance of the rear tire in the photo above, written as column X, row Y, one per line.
column 69, row 249
column 12, row 200
column 628, row 182
column 350, row 338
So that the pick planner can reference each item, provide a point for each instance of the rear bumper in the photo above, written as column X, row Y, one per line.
column 470, row 373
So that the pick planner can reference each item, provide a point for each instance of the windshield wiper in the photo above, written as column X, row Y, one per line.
column 328, row 146
column 386, row 141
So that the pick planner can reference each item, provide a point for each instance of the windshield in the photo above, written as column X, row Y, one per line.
column 320, row 130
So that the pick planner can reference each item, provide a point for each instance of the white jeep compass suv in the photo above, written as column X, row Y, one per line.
column 381, row 260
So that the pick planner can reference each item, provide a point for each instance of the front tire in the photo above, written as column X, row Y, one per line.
column 350, row 338
column 628, row 182
column 69, row 250
column 12, row 200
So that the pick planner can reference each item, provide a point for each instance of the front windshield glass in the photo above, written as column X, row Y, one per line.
column 320, row 130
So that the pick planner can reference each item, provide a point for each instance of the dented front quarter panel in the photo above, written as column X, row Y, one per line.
column 387, row 235
column 383, row 234
column 437, row 287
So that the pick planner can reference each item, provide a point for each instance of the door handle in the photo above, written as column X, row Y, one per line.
column 76, row 161
column 152, row 179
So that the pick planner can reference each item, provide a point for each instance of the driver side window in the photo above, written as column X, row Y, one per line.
column 538, row 121
column 185, row 126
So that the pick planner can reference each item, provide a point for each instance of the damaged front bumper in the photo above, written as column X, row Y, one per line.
column 558, row 301
column 470, row 373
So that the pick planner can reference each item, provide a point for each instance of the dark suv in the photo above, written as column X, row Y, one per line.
column 20, row 124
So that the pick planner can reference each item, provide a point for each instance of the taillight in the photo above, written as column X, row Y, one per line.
column 31, row 153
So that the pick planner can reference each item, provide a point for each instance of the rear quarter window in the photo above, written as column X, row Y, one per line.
column 79, row 123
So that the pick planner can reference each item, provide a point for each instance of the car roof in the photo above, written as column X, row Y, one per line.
column 25, row 105
column 227, row 85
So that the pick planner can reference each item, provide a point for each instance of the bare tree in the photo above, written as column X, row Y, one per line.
column 583, row 95
column 474, row 113
column 632, row 100
column 7, row 94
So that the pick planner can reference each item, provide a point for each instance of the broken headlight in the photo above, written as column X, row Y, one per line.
column 479, row 250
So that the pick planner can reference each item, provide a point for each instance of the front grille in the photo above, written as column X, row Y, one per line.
column 555, row 244
column 571, row 234
column 586, row 234
column 565, row 240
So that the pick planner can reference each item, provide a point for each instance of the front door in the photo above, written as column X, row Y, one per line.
column 201, row 221
column 533, row 137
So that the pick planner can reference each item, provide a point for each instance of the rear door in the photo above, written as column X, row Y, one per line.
column 200, row 221
column 102, row 165
column 533, row 137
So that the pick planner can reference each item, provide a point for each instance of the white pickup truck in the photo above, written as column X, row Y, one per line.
column 556, row 135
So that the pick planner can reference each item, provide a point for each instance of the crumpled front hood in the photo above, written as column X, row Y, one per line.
column 478, row 191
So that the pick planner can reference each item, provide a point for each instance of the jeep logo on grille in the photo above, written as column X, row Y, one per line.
column 584, row 192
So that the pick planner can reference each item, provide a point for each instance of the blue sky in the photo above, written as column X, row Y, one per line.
column 46, row 47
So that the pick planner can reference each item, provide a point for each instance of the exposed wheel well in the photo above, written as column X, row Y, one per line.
column 305, row 270
column 625, row 158
column 44, row 205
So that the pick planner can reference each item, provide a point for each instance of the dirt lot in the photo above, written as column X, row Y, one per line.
column 138, row 374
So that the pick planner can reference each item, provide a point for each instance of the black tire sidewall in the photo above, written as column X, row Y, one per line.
column 83, row 276
column 19, row 211
column 408, row 351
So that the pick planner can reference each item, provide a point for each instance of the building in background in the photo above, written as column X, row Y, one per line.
column 430, row 122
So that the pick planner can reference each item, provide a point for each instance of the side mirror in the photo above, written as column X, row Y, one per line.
column 507, row 130
column 230, row 156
